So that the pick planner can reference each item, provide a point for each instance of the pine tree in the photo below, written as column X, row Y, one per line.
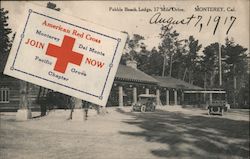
column 192, row 57
column 168, row 48
column 236, row 59
column 133, row 44
column 210, row 62
column 5, row 42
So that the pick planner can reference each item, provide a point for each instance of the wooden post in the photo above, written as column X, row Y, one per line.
column 120, row 96
column 23, row 113
column 235, row 87
column 147, row 91
column 220, row 66
column 78, row 103
column 175, row 97
column 77, row 115
column 158, row 97
column 182, row 98
column 134, row 94
column 23, row 95
column 167, row 97
column 210, row 98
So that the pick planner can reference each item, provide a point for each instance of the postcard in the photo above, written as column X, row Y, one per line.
column 162, row 79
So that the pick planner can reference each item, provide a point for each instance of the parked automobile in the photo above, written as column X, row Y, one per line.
column 146, row 102
column 218, row 107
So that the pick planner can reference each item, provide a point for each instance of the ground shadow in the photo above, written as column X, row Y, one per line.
column 37, row 116
column 192, row 136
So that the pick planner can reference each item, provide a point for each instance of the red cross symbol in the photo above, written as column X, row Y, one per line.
column 64, row 54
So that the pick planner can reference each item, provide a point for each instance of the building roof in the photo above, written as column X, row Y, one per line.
column 130, row 74
column 170, row 82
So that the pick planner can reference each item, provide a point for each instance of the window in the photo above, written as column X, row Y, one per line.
column 4, row 95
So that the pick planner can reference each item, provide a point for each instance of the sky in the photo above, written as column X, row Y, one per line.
column 137, row 22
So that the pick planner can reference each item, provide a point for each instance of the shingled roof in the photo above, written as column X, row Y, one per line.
column 170, row 82
column 130, row 74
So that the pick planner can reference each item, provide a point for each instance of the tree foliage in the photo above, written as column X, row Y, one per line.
column 210, row 62
column 5, row 42
column 132, row 48
column 168, row 48
column 236, row 77
column 191, row 58
column 235, row 56
column 182, row 59
column 153, row 65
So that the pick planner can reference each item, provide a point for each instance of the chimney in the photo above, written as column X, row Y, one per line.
column 131, row 63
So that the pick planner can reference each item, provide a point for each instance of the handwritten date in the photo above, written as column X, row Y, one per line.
column 197, row 21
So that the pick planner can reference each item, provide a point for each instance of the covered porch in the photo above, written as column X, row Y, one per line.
column 173, row 91
column 129, row 84
column 203, row 97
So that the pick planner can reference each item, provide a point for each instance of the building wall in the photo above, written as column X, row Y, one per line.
column 12, row 85
column 14, row 95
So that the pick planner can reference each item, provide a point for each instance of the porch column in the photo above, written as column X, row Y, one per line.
column 158, row 97
column 175, row 97
column 120, row 96
column 204, row 98
column 147, row 91
column 182, row 98
column 134, row 94
column 197, row 98
column 24, row 112
column 77, row 114
column 210, row 98
column 167, row 97
column 78, row 103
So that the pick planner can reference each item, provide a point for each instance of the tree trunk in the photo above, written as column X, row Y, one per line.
column 164, row 65
column 78, row 103
column 235, row 86
column 205, row 81
column 76, row 108
column 170, row 68
column 205, row 86
column 190, row 75
column 24, row 112
column 185, row 72
column 72, row 106
column 212, row 79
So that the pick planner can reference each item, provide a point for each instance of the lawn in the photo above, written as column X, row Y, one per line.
column 120, row 134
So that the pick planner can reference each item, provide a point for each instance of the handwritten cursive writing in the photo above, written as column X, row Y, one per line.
column 197, row 21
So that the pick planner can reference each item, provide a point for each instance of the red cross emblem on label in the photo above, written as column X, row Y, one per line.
column 64, row 54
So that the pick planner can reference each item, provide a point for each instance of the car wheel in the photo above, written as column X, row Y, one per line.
column 143, row 108
column 225, row 109
column 208, row 112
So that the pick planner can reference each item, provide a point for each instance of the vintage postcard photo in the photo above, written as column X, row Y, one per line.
column 124, row 79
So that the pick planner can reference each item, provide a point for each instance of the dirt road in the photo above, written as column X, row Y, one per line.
column 121, row 134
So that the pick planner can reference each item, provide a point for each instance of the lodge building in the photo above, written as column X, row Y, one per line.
column 129, row 83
